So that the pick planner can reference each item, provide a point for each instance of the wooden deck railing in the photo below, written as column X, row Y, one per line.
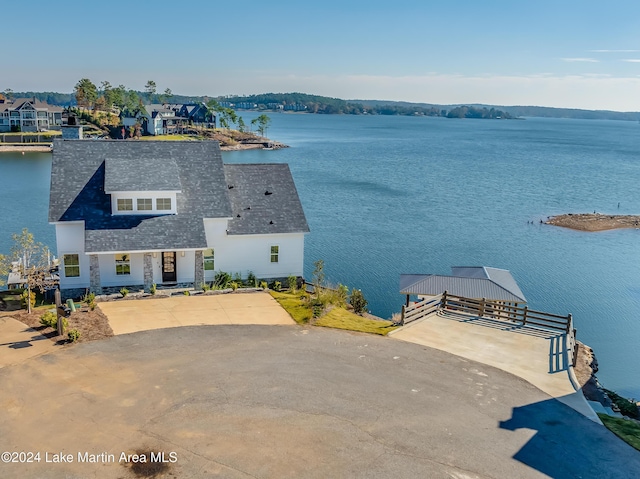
column 497, row 310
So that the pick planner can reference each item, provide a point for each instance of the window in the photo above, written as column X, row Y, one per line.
column 163, row 203
column 123, row 264
column 125, row 204
column 71, row 265
column 208, row 260
column 274, row 254
column 145, row 204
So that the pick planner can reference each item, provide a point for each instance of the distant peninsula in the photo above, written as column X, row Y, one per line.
column 306, row 103
column 594, row 221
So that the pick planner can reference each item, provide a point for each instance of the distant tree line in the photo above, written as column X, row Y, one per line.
column 474, row 112
column 129, row 99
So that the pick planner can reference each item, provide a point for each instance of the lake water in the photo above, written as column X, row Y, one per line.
column 391, row 195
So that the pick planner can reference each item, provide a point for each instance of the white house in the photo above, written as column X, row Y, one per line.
column 134, row 213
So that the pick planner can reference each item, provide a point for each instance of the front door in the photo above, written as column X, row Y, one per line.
column 169, row 267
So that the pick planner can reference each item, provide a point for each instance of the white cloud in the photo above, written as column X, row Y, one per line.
column 588, row 60
column 631, row 60
column 614, row 51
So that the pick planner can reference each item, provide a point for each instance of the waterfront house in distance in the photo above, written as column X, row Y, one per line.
column 28, row 115
column 492, row 284
column 132, row 213
column 168, row 119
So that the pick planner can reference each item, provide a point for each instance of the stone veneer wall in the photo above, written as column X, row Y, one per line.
column 199, row 270
column 148, row 271
column 94, row 274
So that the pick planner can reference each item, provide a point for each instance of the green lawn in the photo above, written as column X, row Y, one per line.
column 298, row 307
column 625, row 429
column 341, row 318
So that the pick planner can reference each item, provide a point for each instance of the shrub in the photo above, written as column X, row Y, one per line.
column 65, row 324
column 277, row 286
column 73, row 335
column 317, row 307
column 89, row 298
column 49, row 319
column 292, row 282
column 32, row 298
column 237, row 278
column 252, row 282
column 186, row 293
column 264, row 285
column 153, row 289
column 234, row 285
column 124, row 292
column 343, row 293
column 205, row 287
column 358, row 302
column 221, row 280
column 627, row 408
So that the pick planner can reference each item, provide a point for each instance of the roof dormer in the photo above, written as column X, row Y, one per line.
column 142, row 187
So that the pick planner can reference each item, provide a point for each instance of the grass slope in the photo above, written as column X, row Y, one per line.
column 626, row 429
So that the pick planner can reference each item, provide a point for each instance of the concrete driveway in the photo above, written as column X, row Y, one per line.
column 532, row 354
column 128, row 316
column 290, row 402
column 18, row 342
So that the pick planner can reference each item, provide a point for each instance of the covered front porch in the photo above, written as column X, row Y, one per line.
column 142, row 269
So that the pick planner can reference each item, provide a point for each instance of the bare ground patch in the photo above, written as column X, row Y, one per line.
column 93, row 325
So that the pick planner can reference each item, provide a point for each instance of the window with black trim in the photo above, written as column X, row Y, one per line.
column 123, row 264
column 209, row 264
column 125, row 204
column 145, row 204
column 71, row 265
column 163, row 204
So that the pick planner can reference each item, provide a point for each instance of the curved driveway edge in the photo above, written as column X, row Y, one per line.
column 130, row 316
column 534, row 355
column 19, row 342
column 292, row 402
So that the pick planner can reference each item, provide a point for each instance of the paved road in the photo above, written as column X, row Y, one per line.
column 291, row 402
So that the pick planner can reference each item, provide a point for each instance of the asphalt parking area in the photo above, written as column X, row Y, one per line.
column 129, row 316
column 291, row 402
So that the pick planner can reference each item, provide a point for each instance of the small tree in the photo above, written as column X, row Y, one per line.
column 318, row 276
column 150, row 88
column 4, row 269
column 263, row 122
column 358, row 302
column 33, row 261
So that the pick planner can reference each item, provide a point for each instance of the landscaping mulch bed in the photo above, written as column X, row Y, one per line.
column 92, row 325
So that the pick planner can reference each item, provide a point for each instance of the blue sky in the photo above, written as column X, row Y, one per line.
column 579, row 54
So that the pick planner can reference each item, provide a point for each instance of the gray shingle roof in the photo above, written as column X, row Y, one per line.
column 77, row 193
column 145, row 174
column 254, row 211
column 81, row 169
column 470, row 282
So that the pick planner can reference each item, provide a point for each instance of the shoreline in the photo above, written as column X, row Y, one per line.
column 26, row 148
column 594, row 222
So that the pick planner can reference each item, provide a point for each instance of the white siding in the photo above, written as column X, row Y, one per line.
column 70, row 240
column 108, row 276
column 244, row 253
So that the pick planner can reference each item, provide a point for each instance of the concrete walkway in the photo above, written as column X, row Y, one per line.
column 18, row 342
column 129, row 316
column 536, row 356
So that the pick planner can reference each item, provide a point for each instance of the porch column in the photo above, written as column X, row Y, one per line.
column 94, row 274
column 148, row 271
column 198, row 277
